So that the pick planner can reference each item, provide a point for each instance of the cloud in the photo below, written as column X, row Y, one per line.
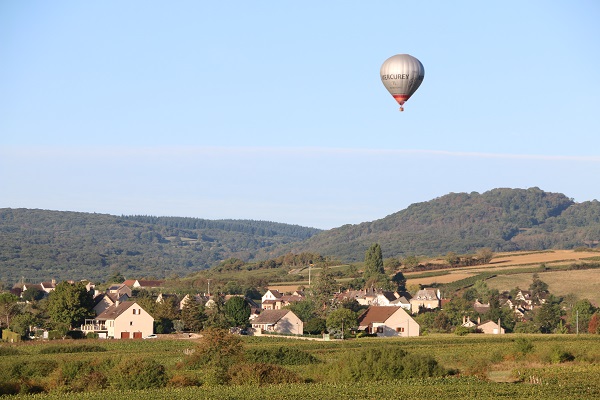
column 313, row 152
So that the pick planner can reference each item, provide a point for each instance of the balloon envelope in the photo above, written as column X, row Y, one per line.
column 402, row 75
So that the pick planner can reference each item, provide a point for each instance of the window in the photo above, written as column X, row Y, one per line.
column 399, row 329
column 380, row 329
column 130, row 323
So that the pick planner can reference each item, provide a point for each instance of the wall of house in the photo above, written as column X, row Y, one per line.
column 429, row 304
column 130, row 322
column 290, row 323
column 399, row 324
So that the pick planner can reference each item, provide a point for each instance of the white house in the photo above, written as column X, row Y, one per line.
column 388, row 321
column 280, row 321
column 126, row 320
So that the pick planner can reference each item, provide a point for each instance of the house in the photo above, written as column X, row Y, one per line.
column 48, row 286
column 480, row 307
column 274, row 300
column 387, row 298
column 126, row 320
column 428, row 298
column 490, row 327
column 363, row 297
column 120, row 289
column 388, row 321
column 104, row 300
column 279, row 321
column 467, row 323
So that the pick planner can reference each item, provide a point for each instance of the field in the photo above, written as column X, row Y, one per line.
column 484, row 366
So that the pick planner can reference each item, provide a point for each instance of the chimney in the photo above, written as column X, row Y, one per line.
column 54, row 281
column 478, row 320
column 117, row 303
column 464, row 319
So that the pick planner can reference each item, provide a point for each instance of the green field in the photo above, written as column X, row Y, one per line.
column 482, row 366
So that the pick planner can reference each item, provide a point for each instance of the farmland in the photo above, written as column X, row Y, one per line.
column 482, row 366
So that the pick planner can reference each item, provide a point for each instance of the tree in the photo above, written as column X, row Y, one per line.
column 324, row 286
column 400, row 281
column 594, row 324
column 341, row 320
column 70, row 304
column 305, row 309
column 547, row 317
column 485, row 255
column 237, row 311
column 581, row 314
column 411, row 261
column 391, row 265
column 452, row 259
column 9, row 307
column 193, row 316
column 538, row 288
column 215, row 314
column 373, row 262
column 33, row 294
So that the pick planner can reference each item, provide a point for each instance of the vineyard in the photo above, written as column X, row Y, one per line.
column 472, row 366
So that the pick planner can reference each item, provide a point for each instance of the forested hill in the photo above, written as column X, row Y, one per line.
column 40, row 244
column 501, row 219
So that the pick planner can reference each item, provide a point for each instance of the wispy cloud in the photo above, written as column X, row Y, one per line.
column 213, row 151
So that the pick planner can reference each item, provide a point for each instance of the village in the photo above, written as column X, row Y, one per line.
column 142, row 309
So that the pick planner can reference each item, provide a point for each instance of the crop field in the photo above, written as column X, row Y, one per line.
column 583, row 283
column 479, row 366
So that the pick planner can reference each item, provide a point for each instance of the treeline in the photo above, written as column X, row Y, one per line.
column 287, row 260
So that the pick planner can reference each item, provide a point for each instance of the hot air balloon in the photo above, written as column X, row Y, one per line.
column 402, row 75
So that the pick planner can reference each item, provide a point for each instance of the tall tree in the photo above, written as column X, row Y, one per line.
column 193, row 316
column 341, row 320
column 373, row 261
column 70, row 304
column 9, row 307
column 237, row 311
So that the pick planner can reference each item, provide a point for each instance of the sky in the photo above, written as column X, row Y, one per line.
column 275, row 110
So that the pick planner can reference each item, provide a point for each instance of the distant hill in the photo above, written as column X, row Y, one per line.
column 501, row 219
column 40, row 244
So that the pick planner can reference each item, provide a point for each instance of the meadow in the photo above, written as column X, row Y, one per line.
column 478, row 366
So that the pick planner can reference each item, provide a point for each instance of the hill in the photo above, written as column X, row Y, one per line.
column 41, row 244
column 501, row 219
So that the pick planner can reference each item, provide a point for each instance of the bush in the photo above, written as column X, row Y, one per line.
column 463, row 330
column 523, row 346
column 136, row 374
column 386, row 363
column 559, row 356
column 281, row 356
column 261, row 374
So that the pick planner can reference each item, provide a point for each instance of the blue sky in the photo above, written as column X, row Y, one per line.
column 275, row 110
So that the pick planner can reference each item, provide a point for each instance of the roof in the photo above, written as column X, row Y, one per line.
column 270, row 316
column 426, row 294
column 115, row 311
column 377, row 314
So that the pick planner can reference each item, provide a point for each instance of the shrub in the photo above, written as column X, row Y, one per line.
column 138, row 374
column 217, row 347
column 559, row 356
column 386, row 363
column 281, row 355
column 261, row 374
column 523, row 346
